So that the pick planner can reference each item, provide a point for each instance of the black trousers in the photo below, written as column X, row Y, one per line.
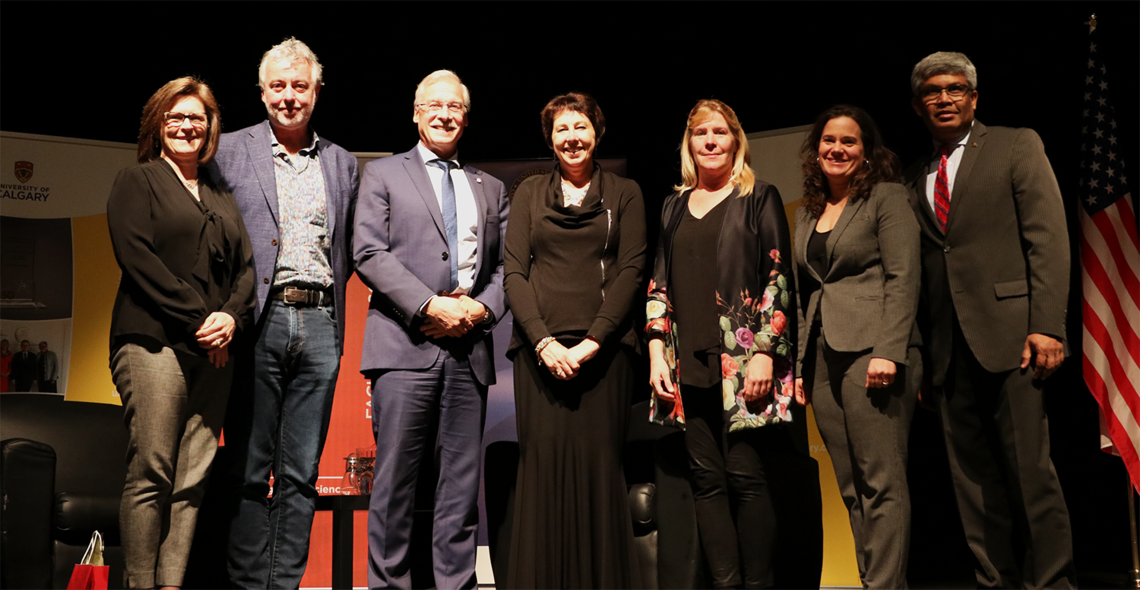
column 735, row 515
column 1013, row 510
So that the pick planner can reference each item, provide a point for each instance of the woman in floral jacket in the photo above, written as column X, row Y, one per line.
column 721, row 273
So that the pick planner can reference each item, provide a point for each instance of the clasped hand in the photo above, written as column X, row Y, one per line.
column 564, row 362
column 451, row 315
column 215, row 336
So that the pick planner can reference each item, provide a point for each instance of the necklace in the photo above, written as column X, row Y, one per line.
column 573, row 196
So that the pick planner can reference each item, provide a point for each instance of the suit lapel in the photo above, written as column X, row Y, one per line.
column 972, row 149
column 414, row 165
column 329, row 167
column 803, row 235
column 261, row 155
column 475, row 179
column 841, row 225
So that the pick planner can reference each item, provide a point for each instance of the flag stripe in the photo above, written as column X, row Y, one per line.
column 1116, row 430
column 1103, row 297
column 1111, row 227
column 1121, row 375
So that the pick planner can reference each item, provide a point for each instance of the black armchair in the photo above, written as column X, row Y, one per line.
column 62, row 478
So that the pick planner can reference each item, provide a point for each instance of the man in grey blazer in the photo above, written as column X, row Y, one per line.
column 995, row 257
column 429, row 234
column 296, row 192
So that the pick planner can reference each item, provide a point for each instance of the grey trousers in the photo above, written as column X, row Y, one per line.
column 866, row 433
column 173, row 406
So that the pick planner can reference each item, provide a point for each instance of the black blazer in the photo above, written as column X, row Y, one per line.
column 181, row 259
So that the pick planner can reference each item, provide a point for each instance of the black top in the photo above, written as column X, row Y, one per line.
column 574, row 271
column 817, row 258
column 182, row 259
column 693, row 276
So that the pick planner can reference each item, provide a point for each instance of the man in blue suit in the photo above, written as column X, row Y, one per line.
column 429, row 234
column 296, row 192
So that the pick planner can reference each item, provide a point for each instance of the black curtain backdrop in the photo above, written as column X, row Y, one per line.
column 85, row 70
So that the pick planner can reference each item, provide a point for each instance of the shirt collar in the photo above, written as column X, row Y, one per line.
column 961, row 141
column 427, row 155
column 278, row 149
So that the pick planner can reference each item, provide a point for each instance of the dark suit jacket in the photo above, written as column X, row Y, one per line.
column 1003, row 265
column 23, row 369
column 870, row 293
column 401, row 254
column 244, row 166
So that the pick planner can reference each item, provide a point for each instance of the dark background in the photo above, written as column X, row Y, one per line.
column 85, row 70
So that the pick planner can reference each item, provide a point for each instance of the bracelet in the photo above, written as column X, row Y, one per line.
column 540, row 346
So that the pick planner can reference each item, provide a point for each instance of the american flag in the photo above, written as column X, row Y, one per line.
column 1110, row 267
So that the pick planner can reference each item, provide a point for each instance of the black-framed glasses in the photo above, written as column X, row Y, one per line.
column 956, row 92
column 173, row 119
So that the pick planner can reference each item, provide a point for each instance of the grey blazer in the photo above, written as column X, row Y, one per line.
column 401, row 253
column 870, row 294
column 244, row 166
column 1003, row 264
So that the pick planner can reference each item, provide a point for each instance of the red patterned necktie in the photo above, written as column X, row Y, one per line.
column 942, row 188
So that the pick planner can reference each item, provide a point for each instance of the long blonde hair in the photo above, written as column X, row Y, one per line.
column 742, row 175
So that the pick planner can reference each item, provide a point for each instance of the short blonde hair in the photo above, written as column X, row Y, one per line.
column 294, row 50
column 742, row 177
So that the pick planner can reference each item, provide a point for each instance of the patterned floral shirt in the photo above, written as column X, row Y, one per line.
column 303, row 258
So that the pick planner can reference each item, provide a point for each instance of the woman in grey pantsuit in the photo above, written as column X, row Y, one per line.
column 857, row 255
column 186, row 288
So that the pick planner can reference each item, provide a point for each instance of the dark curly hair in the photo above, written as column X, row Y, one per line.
column 882, row 165
column 579, row 102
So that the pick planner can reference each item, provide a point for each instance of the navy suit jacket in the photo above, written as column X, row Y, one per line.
column 244, row 166
column 401, row 254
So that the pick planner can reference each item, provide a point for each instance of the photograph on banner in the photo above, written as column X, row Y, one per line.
column 36, row 355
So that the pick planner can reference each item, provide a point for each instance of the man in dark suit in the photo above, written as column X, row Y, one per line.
column 995, row 257
column 47, row 369
column 428, row 243
column 23, row 368
column 296, row 192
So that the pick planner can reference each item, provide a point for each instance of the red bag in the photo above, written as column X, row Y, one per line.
column 91, row 574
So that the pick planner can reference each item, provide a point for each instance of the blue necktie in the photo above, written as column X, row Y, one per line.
column 450, row 225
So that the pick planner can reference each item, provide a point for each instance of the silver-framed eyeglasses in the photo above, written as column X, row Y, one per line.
column 196, row 120
column 437, row 107
column 955, row 91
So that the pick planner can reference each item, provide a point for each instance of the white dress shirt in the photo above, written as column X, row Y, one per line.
column 466, row 214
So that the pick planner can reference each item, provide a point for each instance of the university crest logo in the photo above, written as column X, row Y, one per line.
column 24, row 171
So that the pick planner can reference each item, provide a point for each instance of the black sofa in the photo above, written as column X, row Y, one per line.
column 62, row 471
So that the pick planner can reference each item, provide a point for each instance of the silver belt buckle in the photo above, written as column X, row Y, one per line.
column 294, row 296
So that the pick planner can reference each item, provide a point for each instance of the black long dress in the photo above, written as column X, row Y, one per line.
column 573, row 273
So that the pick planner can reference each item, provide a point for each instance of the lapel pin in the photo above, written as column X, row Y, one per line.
column 478, row 180
column 975, row 144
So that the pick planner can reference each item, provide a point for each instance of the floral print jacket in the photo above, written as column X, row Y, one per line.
column 754, row 302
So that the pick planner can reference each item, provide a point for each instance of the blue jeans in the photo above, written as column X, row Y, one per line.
column 278, row 418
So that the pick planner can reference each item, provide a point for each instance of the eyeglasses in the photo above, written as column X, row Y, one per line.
column 197, row 120
column 436, row 107
column 956, row 92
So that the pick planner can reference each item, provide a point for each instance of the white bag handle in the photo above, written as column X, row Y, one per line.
column 94, row 553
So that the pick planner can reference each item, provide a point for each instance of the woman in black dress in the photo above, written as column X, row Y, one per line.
column 187, row 288
column 575, row 252
column 720, row 347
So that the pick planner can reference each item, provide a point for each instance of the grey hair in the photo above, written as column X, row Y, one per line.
column 943, row 62
column 293, row 50
column 436, row 76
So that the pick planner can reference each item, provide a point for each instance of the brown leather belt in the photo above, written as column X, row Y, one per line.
column 302, row 297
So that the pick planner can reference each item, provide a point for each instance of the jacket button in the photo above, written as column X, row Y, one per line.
column 946, row 249
column 445, row 255
column 265, row 280
column 273, row 242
